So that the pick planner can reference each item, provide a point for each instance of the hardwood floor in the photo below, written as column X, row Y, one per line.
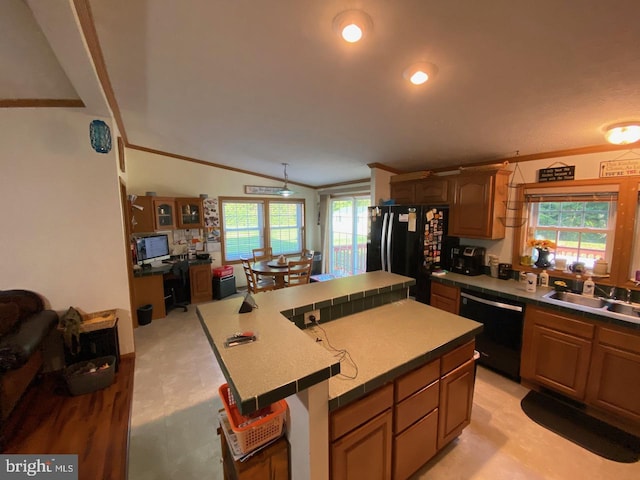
column 94, row 426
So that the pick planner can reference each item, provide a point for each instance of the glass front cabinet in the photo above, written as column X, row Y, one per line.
column 190, row 213
column 165, row 209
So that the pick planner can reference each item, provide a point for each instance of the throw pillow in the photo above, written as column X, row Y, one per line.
column 9, row 315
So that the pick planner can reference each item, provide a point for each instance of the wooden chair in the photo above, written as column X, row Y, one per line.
column 255, row 285
column 299, row 272
column 260, row 254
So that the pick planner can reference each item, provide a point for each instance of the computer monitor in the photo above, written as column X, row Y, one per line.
column 152, row 248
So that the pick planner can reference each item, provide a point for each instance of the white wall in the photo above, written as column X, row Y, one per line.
column 62, row 233
column 149, row 172
column 587, row 167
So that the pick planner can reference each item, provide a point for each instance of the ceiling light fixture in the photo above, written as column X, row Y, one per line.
column 352, row 25
column 284, row 191
column 623, row 133
column 419, row 73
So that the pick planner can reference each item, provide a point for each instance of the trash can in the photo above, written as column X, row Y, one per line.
column 144, row 314
column 316, row 266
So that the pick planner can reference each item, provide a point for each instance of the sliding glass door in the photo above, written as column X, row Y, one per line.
column 348, row 235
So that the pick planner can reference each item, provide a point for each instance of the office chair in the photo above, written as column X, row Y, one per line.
column 176, row 287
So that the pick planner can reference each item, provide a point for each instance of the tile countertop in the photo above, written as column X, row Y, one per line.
column 516, row 291
column 285, row 359
column 386, row 342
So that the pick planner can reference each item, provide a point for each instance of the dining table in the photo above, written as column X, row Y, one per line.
column 273, row 269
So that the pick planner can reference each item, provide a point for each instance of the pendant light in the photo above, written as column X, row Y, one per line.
column 284, row 191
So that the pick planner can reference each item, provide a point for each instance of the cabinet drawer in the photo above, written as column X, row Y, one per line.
column 561, row 322
column 446, row 291
column 416, row 406
column 457, row 357
column 355, row 414
column 414, row 447
column 417, row 379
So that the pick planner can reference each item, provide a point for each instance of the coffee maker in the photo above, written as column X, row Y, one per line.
column 468, row 260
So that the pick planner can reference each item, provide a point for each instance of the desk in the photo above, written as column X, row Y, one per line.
column 148, row 286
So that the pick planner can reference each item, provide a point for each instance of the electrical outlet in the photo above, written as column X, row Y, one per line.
column 311, row 317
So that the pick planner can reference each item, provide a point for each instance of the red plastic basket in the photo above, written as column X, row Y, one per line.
column 254, row 430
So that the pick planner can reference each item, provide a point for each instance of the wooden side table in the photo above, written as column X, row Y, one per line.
column 271, row 463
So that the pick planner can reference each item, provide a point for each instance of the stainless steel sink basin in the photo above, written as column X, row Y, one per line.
column 632, row 309
column 593, row 302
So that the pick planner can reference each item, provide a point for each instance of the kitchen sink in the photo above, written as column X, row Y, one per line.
column 597, row 304
column 577, row 299
column 632, row 309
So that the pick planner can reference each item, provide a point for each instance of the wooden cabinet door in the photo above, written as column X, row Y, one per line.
column 445, row 297
column 614, row 379
column 365, row 452
column 141, row 215
column 190, row 213
column 403, row 193
column 556, row 351
column 432, row 191
column 200, row 278
column 478, row 202
column 415, row 446
column 164, row 210
column 456, row 400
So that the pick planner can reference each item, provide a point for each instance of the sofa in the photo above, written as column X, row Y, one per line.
column 24, row 324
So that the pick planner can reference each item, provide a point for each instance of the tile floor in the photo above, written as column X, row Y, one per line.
column 173, row 423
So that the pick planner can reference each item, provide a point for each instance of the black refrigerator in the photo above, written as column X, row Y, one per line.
column 410, row 240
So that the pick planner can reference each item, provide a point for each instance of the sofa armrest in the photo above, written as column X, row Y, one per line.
column 16, row 347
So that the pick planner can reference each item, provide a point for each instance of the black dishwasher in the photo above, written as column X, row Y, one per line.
column 500, row 342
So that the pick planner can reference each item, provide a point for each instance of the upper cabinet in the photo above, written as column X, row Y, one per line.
column 478, row 203
column 165, row 213
column 428, row 191
column 190, row 213
column 152, row 214
column 141, row 212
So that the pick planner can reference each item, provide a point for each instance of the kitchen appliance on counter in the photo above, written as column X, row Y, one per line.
column 468, row 260
column 500, row 342
column 410, row 240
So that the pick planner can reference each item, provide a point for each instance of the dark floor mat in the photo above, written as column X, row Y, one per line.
column 574, row 425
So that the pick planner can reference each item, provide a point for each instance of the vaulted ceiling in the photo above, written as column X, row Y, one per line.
column 251, row 84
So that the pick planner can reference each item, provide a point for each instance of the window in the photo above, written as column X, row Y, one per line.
column 348, row 236
column 249, row 224
column 285, row 227
column 581, row 226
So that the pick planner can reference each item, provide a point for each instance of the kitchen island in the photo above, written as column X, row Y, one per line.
column 386, row 334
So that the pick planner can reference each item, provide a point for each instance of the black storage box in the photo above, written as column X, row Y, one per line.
column 223, row 286
column 94, row 344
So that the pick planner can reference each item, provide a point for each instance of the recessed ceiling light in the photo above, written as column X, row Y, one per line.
column 420, row 73
column 352, row 25
column 623, row 133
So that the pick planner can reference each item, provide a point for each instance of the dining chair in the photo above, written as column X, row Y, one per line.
column 260, row 254
column 255, row 285
column 299, row 272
